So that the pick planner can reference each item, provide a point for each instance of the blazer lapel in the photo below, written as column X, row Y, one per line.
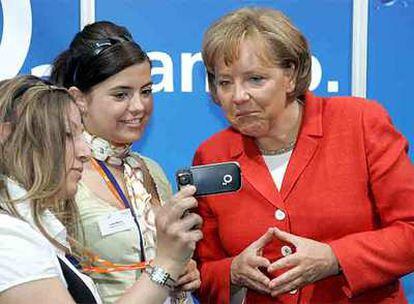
column 254, row 169
column 307, row 144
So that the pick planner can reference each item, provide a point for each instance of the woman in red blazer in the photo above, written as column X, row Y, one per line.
column 326, row 210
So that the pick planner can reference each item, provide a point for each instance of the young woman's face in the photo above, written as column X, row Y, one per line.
column 119, row 108
column 77, row 151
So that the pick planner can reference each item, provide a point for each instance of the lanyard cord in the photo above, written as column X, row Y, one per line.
column 110, row 186
column 116, row 190
column 89, row 262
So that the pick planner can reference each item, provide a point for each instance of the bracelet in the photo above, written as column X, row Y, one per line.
column 159, row 276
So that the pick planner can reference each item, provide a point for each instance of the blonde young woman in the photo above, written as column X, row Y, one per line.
column 42, row 157
column 110, row 77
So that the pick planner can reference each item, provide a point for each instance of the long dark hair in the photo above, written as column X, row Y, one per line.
column 99, row 51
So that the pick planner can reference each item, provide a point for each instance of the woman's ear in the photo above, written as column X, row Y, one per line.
column 291, row 85
column 80, row 99
column 290, row 74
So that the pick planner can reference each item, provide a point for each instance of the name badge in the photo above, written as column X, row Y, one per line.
column 117, row 221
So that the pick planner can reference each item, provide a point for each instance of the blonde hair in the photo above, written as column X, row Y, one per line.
column 33, row 153
column 279, row 42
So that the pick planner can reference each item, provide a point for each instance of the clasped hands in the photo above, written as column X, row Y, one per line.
column 311, row 262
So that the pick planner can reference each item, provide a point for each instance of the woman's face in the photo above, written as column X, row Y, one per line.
column 252, row 94
column 77, row 151
column 118, row 108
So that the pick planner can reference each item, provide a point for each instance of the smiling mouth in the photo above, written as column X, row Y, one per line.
column 133, row 122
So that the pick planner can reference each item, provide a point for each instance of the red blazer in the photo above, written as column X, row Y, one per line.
column 349, row 183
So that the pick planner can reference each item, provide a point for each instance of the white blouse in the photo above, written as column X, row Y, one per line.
column 27, row 255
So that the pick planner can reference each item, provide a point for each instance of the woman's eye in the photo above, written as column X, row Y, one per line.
column 223, row 83
column 146, row 92
column 256, row 79
column 121, row 95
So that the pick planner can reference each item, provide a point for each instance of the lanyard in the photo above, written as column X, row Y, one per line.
column 89, row 262
column 116, row 190
column 108, row 182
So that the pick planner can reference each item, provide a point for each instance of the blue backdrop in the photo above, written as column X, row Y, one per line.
column 34, row 32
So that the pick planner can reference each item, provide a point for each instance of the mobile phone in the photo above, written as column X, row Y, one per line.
column 212, row 178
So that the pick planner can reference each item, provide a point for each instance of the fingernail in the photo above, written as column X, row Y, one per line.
column 269, row 269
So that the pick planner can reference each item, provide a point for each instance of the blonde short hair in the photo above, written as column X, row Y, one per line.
column 279, row 42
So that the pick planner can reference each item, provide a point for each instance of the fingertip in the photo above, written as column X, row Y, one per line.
column 269, row 269
column 281, row 234
column 262, row 261
column 191, row 189
column 267, row 263
column 272, row 284
column 276, row 230
column 185, row 191
column 274, row 266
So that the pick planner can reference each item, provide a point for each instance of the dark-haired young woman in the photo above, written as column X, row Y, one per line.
column 109, row 76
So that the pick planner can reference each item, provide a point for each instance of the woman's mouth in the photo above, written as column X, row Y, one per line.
column 77, row 172
column 132, row 122
column 241, row 114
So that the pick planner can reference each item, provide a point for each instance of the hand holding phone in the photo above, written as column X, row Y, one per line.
column 212, row 178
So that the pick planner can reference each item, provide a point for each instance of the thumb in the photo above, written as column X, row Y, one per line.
column 185, row 191
column 263, row 240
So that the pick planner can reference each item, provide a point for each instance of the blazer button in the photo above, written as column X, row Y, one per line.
column 280, row 215
column 286, row 250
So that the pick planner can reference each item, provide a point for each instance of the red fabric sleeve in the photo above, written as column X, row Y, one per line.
column 374, row 258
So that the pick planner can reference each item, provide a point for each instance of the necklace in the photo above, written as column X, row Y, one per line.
column 279, row 151
column 290, row 145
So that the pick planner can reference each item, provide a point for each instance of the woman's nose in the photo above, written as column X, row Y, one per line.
column 83, row 152
column 136, row 104
column 240, row 94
